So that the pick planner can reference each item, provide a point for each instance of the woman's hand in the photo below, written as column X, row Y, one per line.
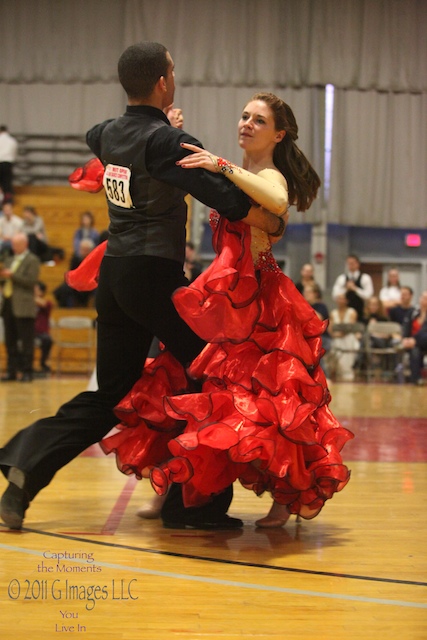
column 199, row 158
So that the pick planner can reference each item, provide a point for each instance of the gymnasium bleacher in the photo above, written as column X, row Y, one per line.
column 60, row 207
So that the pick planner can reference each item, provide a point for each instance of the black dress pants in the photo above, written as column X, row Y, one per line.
column 134, row 305
column 6, row 178
column 19, row 340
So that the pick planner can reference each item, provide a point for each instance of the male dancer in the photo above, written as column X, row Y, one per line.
column 143, row 265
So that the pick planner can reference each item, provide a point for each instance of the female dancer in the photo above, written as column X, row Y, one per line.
column 262, row 413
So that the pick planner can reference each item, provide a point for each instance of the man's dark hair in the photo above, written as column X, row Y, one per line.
column 140, row 67
column 354, row 256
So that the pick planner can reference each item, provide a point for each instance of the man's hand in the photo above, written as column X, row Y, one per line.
column 285, row 217
column 266, row 221
column 351, row 285
column 198, row 159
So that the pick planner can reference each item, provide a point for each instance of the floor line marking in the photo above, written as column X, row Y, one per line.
column 113, row 521
column 237, row 563
column 234, row 583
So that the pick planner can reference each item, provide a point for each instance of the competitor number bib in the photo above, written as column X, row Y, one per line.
column 117, row 185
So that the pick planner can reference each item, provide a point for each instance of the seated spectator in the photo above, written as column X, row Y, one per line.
column 42, row 326
column 416, row 344
column 306, row 277
column 85, row 231
column 390, row 295
column 345, row 345
column 402, row 313
column 10, row 225
column 375, row 314
column 64, row 294
column 192, row 267
column 374, row 311
column 313, row 295
column 33, row 224
column 34, row 227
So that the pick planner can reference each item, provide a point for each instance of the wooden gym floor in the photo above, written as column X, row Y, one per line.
column 85, row 565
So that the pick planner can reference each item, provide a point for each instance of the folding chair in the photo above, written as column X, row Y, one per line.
column 74, row 333
column 385, row 357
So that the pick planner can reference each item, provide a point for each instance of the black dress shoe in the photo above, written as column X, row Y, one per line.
column 223, row 523
column 14, row 503
column 9, row 377
column 27, row 377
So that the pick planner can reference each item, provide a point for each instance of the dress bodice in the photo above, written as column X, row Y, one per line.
column 261, row 252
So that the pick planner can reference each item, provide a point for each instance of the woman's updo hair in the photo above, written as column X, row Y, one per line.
column 303, row 181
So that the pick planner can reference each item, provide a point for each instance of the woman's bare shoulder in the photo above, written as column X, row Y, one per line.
column 273, row 175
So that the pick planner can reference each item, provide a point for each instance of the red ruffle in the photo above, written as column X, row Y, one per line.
column 88, row 178
column 145, row 429
column 263, row 414
column 226, row 294
column 85, row 277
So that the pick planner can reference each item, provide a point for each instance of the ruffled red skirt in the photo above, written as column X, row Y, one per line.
column 262, row 417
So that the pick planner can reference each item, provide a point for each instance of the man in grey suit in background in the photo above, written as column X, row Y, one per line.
column 19, row 276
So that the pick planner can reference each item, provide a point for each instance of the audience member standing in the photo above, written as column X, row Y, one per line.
column 42, row 324
column 19, row 309
column 390, row 295
column 10, row 225
column 8, row 155
column 86, row 231
column 355, row 285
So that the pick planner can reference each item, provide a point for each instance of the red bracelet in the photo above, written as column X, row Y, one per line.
column 224, row 165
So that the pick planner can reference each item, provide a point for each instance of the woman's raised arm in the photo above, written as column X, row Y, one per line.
column 267, row 192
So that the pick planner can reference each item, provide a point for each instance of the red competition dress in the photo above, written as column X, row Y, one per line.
column 262, row 416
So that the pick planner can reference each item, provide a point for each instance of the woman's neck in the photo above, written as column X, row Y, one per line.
column 256, row 162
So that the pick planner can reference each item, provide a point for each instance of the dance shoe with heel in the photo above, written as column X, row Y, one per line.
column 151, row 509
column 276, row 517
